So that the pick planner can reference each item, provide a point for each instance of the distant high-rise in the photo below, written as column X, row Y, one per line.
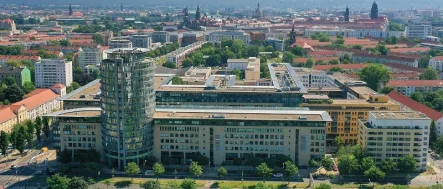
column 70, row 10
column 128, row 105
column 292, row 35
column 197, row 13
column 347, row 14
column 121, row 6
column 374, row 11
column 258, row 12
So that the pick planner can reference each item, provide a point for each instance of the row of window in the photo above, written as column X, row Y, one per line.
column 255, row 136
column 179, row 141
column 186, row 135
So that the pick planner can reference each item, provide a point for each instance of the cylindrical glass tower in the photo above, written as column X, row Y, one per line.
column 128, row 103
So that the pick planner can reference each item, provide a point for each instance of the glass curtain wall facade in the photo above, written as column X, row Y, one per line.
column 128, row 105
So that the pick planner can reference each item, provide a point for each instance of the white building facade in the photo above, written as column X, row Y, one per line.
column 119, row 43
column 90, row 56
column 437, row 63
column 219, row 36
column 49, row 72
column 418, row 30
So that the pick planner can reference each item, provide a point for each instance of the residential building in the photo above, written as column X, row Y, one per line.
column 412, row 105
column 418, row 30
column 276, row 43
column 191, row 37
column 49, row 72
column 90, row 56
column 407, row 87
column 314, row 78
column 365, row 57
column 6, row 58
column 78, row 129
column 179, row 55
column 395, row 135
column 357, row 33
column 345, row 113
column 223, row 135
column 128, row 97
column 7, row 24
column 250, row 66
column 437, row 63
column 57, row 54
column 12, row 115
column 119, row 43
column 160, row 36
column 345, row 67
column 255, row 35
column 219, row 36
column 141, row 41
column 175, row 38
column 21, row 75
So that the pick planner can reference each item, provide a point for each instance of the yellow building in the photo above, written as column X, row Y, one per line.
column 345, row 114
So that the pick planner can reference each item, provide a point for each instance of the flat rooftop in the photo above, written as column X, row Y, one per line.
column 242, row 114
column 79, row 112
column 87, row 92
column 399, row 115
column 364, row 91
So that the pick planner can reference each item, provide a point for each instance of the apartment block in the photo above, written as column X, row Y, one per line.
column 219, row 36
column 191, row 37
column 49, row 72
column 395, row 135
column 19, row 74
column 437, row 63
column 119, row 43
column 421, row 31
column 179, row 55
column 407, row 87
column 90, row 56
column 225, row 135
column 141, row 41
column 160, row 36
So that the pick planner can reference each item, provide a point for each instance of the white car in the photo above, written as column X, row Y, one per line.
column 278, row 175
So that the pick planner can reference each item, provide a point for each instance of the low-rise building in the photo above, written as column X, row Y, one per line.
column 250, row 66
column 19, row 74
column 365, row 57
column 437, row 63
column 12, row 115
column 90, row 56
column 219, row 36
column 175, row 38
column 49, row 72
column 179, row 55
column 141, row 41
column 119, row 43
column 396, row 135
column 414, row 30
column 7, row 58
column 40, row 102
column 160, row 36
column 191, row 37
column 407, row 87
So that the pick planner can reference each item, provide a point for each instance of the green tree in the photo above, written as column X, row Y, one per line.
column 222, row 172
column 169, row 64
column 65, row 43
column 20, row 140
column 132, row 169
column 107, row 182
column 28, row 87
column 374, row 173
column 298, row 51
column 389, row 165
column 173, row 185
column 313, row 163
column 367, row 163
column 46, row 128
column 177, row 81
column 4, row 143
column 338, row 141
column 150, row 185
column 188, row 184
column 394, row 26
column 77, row 183
column 57, row 182
column 333, row 62
column 14, row 93
column 158, row 169
column 269, row 48
column 264, row 171
column 254, row 161
column 399, row 187
column 74, row 85
column 288, row 57
column 98, row 38
column 327, row 163
column 195, row 169
column 436, row 186
column 187, row 62
column 386, row 89
column 347, row 164
column 423, row 62
column 309, row 63
column 95, row 74
column 290, row 169
column 30, row 128
column 430, row 73
column 323, row 186
column 375, row 75
column 237, row 73
column 417, row 96
column 407, row 164
column 432, row 135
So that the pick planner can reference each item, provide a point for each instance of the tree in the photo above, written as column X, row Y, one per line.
column 20, row 140
column 367, row 163
column 394, row 26
column 66, row 156
column 28, row 87
column 173, row 185
column 332, row 62
column 237, row 73
column 432, row 135
column 269, row 48
column 57, row 182
column 335, row 69
column 213, row 60
column 150, row 185
column 347, row 164
column 65, row 43
column 389, row 165
column 46, row 128
column 98, row 38
column 374, row 173
column 177, row 81
column 4, row 142
column 338, row 141
column 430, row 73
column 169, row 64
column 14, row 93
column 290, row 169
column 313, row 163
column 74, row 85
column 30, row 128
column 132, row 169
column 9, row 81
column 95, row 74
column 323, row 186
column 375, row 75
column 407, row 164
column 158, row 169
column 221, row 172
column 188, row 184
column 77, row 183
column 309, row 63
column 187, row 62
column 399, row 187
column 195, row 169
column 386, row 89
column 423, row 62
column 288, row 57
column 417, row 96
column 327, row 163
column 264, row 171
column 252, row 161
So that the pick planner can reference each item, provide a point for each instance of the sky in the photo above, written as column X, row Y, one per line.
column 358, row 4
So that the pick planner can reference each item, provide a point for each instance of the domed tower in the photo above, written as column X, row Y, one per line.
column 374, row 11
column 258, row 12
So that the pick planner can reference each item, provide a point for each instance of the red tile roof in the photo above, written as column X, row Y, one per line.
column 80, row 37
column 323, row 53
column 438, row 58
column 405, row 50
column 414, row 105
column 36, row 98
column 19, row 57
column 324, row 59
column 404, row 67
column 58, row 85
column 6, row 114
column 342, row 66
column 425, row 83
column 35, row 52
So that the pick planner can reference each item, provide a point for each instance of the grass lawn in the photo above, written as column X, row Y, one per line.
column 161, row 60
column 163, row 182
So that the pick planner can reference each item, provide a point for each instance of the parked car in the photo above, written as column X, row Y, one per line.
column 13, row 166
column 278, row 175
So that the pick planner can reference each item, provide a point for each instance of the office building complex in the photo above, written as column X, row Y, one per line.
column 219, row 36
column 119, row 43
column 90, row 56
column 160, row 36
column 250, row 66
column 127, row 102
column 19, row 74
column 49, row 72
column 141, row 41
column 395, row 135
column 415, row 30
column 191, row 37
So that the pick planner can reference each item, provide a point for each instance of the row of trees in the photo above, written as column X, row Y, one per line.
column 89, row 28
column 11, row 50
column 354, row 160
column 163, row 50
column 432, row 99
column 62, row 182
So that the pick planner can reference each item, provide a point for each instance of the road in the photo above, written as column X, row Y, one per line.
column 9, row 176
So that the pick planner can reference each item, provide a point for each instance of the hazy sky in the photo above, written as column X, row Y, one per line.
column 383, row 4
